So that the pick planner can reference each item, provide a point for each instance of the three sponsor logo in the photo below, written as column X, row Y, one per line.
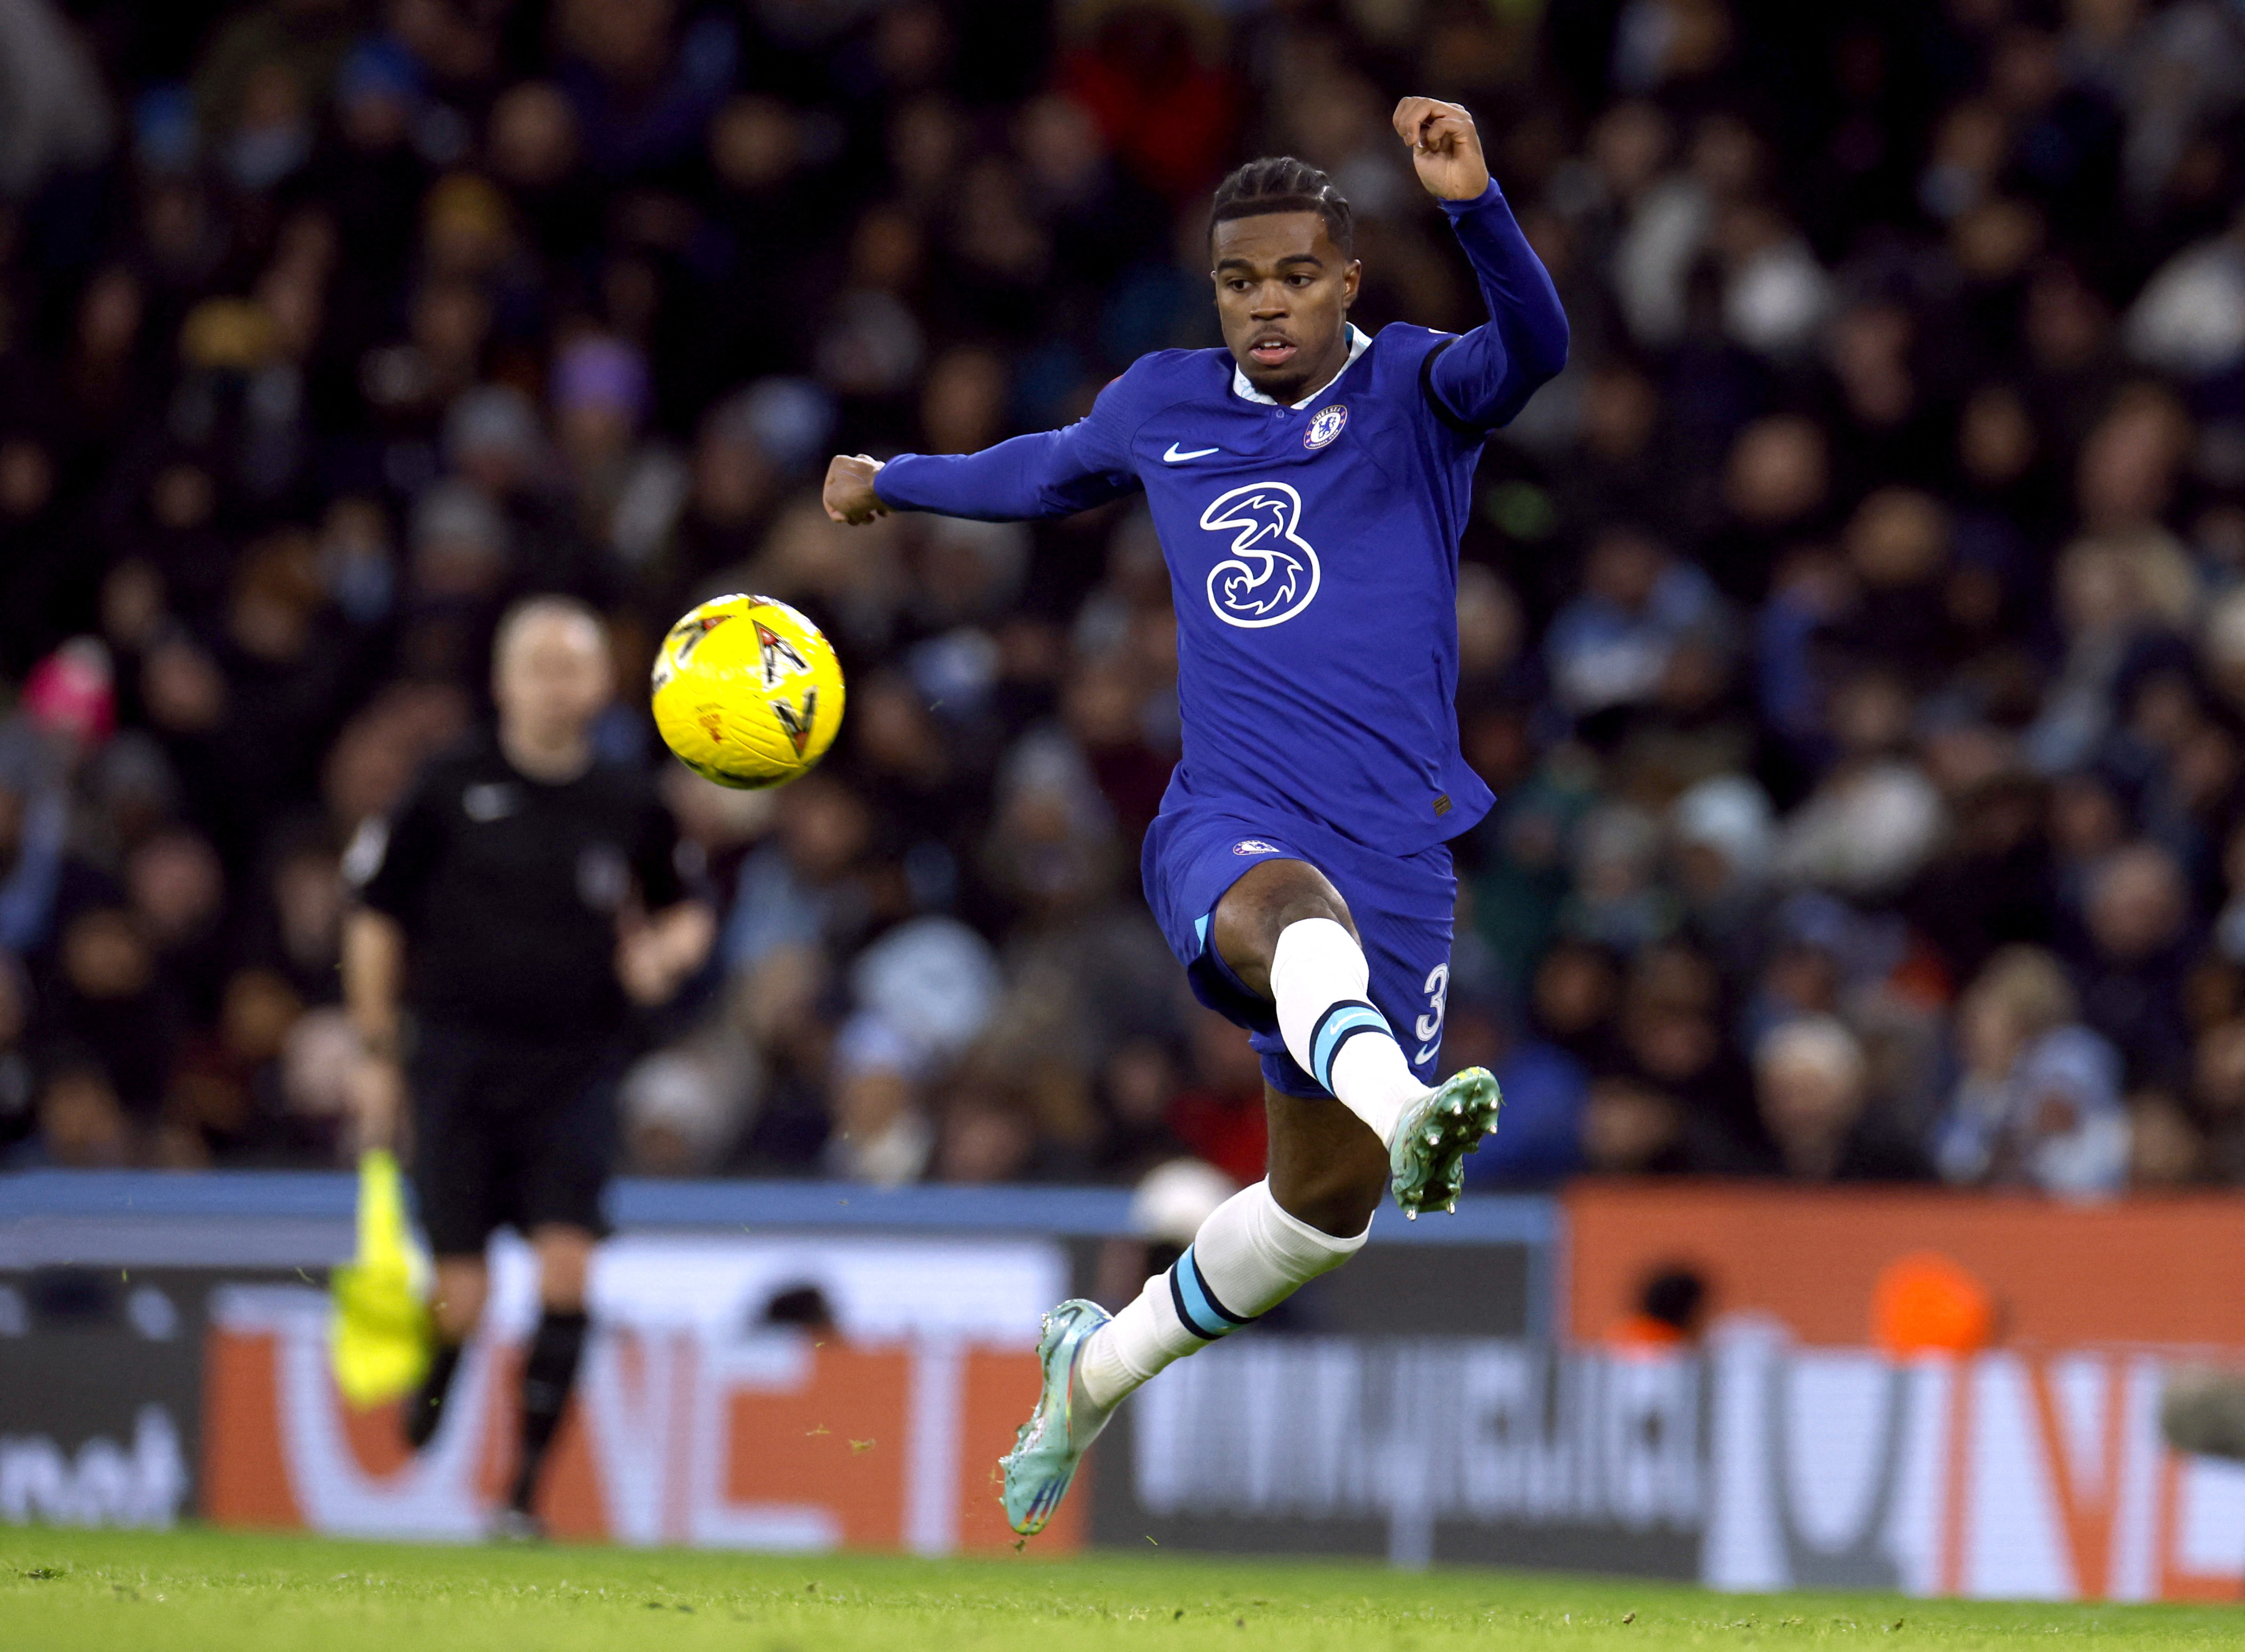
column 1272, row 574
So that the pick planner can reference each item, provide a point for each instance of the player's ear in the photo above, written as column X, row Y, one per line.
column 1350, row 279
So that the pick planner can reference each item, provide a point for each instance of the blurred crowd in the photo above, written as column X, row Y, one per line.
column 1854, row 635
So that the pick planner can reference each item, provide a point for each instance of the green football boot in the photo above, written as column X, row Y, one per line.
column 1061, row 1430
column 1434, row 1136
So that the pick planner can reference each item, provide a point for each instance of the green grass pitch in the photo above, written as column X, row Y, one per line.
column 183, row 1591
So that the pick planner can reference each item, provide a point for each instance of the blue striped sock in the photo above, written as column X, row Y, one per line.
column 1196, row 1305
column 1342, row 1020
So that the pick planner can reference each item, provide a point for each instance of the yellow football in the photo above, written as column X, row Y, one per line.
column 747, row 691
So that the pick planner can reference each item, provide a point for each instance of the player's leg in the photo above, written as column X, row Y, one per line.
column 460, row 1287
column 1325, row 1167
column 566, row 1154
column 1307, row 1216
column 549, row 1374
column 452, row 1172
column 1311, row 1212
column 1284, row 931
column 1249, row 1255
column 1328, row 1168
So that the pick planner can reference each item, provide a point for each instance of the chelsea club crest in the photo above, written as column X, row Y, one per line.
column 1324, row 425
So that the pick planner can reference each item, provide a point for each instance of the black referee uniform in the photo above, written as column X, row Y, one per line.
column 508, row 891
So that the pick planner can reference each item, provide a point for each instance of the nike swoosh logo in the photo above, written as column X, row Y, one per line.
column 1173, row 457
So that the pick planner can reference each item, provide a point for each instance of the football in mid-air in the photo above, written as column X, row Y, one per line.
column 747, row 691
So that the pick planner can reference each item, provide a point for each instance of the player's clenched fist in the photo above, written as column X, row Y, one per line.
column 850, row 497
column 1444, row 148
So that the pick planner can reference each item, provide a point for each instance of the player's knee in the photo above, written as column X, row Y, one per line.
column 1306, row 893
column 1257, row 910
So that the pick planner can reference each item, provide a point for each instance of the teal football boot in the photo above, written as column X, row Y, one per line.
column 1434, row 1136
column 1063, row 1426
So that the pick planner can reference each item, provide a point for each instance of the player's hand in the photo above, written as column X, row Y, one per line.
column 850, row 497
column 1444, row 148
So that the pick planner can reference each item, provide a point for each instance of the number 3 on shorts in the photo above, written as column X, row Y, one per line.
column 1429, row 1027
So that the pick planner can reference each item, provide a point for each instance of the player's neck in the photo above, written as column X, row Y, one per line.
column 1333, row 360
column 551, row 760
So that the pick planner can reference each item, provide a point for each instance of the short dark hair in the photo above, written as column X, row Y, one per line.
column 1280, row 183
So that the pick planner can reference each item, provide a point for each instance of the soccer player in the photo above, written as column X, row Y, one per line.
column 523, row 897
column 1308, row 483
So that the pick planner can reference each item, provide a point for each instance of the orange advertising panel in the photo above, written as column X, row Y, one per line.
column 772, row 1441
column 2167, row 1270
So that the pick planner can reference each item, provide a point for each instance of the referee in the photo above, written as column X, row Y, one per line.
column 524, row 896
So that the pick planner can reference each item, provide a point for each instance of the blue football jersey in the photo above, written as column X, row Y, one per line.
column 1313, row 549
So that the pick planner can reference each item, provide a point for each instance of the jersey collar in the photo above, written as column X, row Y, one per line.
column 1359, row 342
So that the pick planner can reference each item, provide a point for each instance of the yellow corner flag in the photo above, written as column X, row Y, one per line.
column 378, row 1333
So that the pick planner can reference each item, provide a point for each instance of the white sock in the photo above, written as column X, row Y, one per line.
column 1247, row 1258
column 1319, row 978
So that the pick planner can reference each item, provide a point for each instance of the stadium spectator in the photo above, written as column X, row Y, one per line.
column 2131, row 974
column 2039, row 1103
column 1812, row 1084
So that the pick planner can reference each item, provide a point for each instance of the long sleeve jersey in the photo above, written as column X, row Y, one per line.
column 1313, row 549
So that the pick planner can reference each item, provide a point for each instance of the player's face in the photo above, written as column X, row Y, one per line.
column 553, row 678
column 1283, row 289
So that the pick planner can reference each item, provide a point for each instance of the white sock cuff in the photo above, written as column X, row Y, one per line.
column 1298, row 1235
column 1251, row 1256
column 1321, row 947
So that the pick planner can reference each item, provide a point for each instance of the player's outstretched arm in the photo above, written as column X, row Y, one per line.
column 1054, row 472
column 1487, row 375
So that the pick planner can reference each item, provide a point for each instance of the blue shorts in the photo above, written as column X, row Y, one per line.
column 1403, row 905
